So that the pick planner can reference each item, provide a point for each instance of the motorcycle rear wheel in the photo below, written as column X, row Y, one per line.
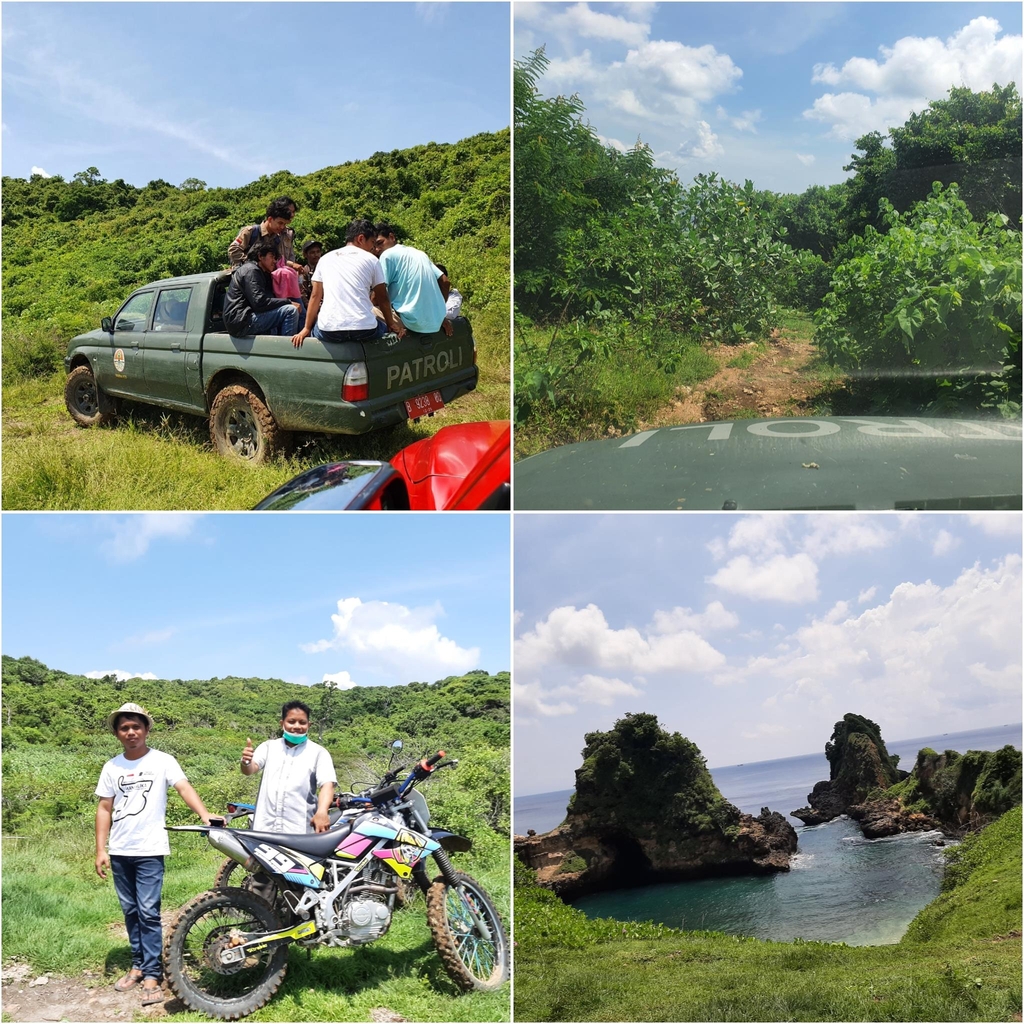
column 474, row 962
column 230, row 991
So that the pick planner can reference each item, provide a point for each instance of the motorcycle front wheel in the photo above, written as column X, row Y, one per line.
column 192, row 966
column 475, row 955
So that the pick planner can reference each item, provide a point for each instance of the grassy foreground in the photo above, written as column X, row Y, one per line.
column 155, row 459
column 60, row 917
column 959, row 961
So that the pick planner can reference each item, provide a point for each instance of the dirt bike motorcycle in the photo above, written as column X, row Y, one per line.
column 226, row 951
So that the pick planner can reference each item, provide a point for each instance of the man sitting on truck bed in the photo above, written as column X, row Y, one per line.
column 273, row 229
column 250, row 307
column 413, row 283
column 340, row 307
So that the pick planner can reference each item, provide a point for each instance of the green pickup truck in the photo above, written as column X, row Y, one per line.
column 167, row 346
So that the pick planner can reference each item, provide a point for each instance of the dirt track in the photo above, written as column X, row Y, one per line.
column 781, row 380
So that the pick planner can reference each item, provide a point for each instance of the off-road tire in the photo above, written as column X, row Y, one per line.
column 179, row 974
column 225, row 871
column 88, row 404
column 448, row 942
column 242, row 427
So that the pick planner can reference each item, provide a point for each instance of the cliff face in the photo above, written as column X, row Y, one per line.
column 948, row 791
column 858, row 765
column 646, row 809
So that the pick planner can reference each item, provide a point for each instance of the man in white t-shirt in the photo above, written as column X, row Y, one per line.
column 294, row 769
column 344, row 282
column 131, row 815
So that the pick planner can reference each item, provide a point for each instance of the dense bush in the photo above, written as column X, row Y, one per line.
column 56, row 740
column 937, row 296
column 74, row 250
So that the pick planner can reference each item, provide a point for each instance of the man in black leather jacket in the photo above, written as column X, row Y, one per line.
column 250, row 306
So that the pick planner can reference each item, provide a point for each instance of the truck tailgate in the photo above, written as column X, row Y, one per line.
column 419, row 363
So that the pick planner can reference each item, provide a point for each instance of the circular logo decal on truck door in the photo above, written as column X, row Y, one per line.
column 119, row 360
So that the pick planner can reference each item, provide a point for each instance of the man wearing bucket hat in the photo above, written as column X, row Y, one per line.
column 131, row 814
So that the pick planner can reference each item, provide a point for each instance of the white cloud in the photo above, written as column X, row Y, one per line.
column 601, row 690
column 714, row 616
column 911, row 72
column 129, row 537
column 120, row 674
column 405, row 640
column 39, row 170
column 865, row 595
column 998, row 524
column 528, row 700
column 944, row 543
column 914, row 651
column 339, row 680
column 844, row 535
column 581, row 638
column 704, row 147
column 614, row 143
column 781, row 578
column 805, row 158
column 745, row 122
column 660, row 81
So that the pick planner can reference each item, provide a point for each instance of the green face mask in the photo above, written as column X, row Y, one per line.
column 293, row 739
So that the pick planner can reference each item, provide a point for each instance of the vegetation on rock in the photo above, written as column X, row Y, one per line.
column 638, row 776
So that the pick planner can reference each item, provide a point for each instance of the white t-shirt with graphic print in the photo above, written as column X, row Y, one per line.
column 139, row 789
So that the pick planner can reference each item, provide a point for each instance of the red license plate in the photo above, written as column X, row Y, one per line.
column 424, row 405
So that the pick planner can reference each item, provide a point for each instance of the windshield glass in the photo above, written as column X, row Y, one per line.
column 751, row 212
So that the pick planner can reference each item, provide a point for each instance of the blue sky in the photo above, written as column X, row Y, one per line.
column 774, row 92
column 366, row 599
column 752, row 635
column 176, row 91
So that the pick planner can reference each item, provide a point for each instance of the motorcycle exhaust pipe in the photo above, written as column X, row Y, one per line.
column 222, row 839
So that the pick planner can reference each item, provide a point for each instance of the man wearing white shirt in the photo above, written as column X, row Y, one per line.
column 294, row 769
column 343, row 284
column 131, row 814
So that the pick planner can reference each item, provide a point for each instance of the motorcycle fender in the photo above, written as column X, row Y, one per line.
column 450, row 841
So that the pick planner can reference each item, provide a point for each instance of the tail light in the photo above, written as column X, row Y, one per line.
column 474, row 351
column 356, row 386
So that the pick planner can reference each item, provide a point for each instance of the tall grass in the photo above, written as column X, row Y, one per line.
column 154, row 459
column 596, row 381
column 60, row 917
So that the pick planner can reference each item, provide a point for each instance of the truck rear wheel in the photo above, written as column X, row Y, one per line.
column 242, row 427
column 88, row 403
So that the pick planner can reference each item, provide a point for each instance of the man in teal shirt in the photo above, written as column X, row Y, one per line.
column 413, row 284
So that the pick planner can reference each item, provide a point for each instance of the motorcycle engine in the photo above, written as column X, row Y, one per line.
column 364, row 919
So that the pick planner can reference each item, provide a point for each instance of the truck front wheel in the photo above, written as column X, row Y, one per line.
column 242, row 427
column 88, row 403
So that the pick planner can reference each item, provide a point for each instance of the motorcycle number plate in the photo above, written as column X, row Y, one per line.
column 424, row 405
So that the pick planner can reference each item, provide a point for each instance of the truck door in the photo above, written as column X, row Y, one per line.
column 166, row 345
column 120, row 371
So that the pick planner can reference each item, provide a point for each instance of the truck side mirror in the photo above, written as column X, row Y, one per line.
column 107, row 323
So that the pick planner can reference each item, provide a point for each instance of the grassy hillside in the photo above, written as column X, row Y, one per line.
column 960, row 959
column 74, row 250
column 59, row 916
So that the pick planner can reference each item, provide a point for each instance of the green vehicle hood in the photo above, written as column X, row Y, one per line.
column 868, row 462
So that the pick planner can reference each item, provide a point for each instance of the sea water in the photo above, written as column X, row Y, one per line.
column 840, row 886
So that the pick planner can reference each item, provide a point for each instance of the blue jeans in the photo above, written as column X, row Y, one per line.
column 367, row 334
column 285, row 320
column 138, row 881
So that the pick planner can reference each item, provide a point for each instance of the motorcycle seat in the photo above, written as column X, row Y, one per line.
column 313, row 844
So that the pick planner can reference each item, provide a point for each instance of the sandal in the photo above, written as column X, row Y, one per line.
column 129, row 981
column 152, row 995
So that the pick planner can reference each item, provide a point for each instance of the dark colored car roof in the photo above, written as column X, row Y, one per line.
column 870, row 462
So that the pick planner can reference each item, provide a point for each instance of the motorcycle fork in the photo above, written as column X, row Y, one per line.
column 451, row 876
